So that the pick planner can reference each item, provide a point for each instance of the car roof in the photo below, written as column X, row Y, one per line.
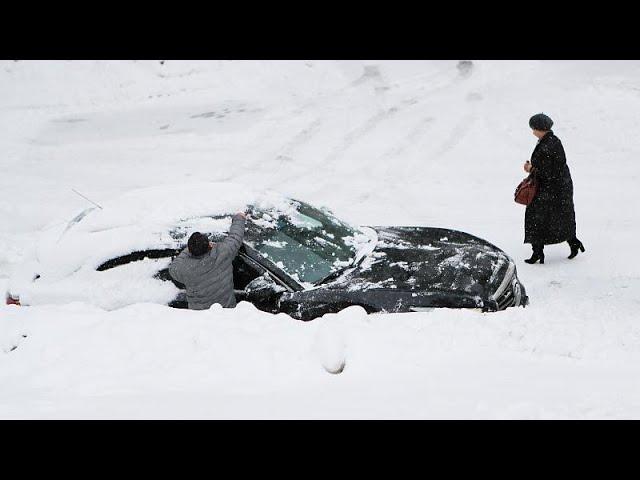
column 147, row 218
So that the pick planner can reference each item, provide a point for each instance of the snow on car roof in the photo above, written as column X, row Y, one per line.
column 170, row 203
column 142, row 219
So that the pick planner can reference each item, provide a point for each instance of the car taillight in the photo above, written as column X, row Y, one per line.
column 12, row 300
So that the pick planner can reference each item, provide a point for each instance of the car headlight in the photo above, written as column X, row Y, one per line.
column 517, row 290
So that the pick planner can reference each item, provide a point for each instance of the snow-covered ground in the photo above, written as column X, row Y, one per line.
column 379, row 143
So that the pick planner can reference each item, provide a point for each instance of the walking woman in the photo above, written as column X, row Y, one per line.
column 550, row 218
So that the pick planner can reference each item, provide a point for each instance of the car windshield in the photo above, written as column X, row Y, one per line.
column 307, row 243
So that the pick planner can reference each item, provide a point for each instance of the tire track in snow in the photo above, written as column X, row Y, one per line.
column 300, row 139
column 352, row 137
column 423, row 125
column 457, row 134
column 373, row 75
column 409, row 140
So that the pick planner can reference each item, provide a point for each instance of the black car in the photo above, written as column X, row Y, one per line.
column 305, row 262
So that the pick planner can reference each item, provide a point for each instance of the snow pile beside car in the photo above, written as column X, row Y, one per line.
column 152, row 361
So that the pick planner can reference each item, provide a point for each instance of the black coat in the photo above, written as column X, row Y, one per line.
column 550, row 217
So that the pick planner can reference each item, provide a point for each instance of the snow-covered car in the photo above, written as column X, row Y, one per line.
column 295, row 259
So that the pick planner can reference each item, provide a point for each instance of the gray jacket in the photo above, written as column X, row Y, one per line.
column 209, row 277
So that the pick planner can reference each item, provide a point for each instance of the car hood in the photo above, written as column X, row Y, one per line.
column 423, row 258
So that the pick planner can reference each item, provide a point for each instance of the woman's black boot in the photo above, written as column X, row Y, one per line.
column 576, row 245
column 538, row 254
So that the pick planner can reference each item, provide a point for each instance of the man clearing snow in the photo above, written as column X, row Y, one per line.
column 206, row 269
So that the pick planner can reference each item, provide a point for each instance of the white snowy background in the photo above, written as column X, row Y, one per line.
column 379, row 143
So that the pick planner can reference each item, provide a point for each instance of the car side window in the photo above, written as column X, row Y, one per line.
column 136, row 256
column 141, row 255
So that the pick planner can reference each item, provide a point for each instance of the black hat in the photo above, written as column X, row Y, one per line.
column 540, row 122
column 198, row 244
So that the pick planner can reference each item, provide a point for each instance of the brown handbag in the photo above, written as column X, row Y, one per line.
column 526, row 190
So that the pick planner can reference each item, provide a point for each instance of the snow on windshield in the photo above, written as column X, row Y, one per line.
column 307, row 243
column 303, row 221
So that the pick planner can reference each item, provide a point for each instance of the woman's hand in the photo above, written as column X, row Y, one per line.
column 527, row 166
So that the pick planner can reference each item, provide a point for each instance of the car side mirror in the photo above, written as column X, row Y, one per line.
column 263, row 285
column 264, row 292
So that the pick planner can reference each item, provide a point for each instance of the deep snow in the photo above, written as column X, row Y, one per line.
column 379, row 143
